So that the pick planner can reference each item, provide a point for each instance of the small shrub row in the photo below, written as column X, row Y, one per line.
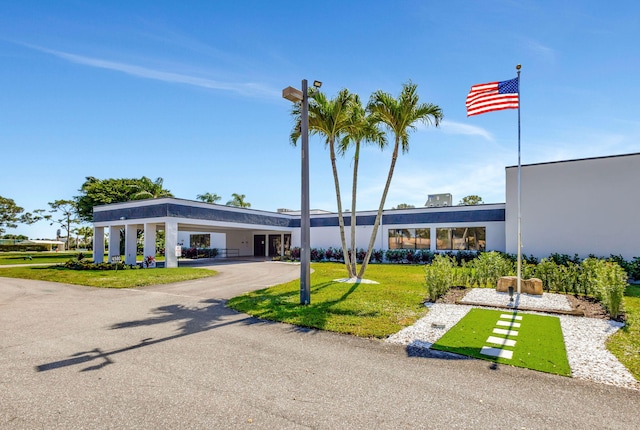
column 335, row 255
column 88, row 265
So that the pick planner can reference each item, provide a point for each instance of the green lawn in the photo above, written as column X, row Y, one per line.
column 625, row 344
column 368, row 310
column 538, row 345
column 106, row 278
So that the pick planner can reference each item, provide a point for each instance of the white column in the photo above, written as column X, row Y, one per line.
column 171, row 241
column 130, row 242
column 98, row 244
column 149, row 240
column 114, row 242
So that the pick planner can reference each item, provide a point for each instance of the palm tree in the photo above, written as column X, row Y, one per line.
column 208, row 197
column 329, row 118
column 361, row 128
column 84, row 231
column 237, row 200
column 400, row 116
column 148, row 189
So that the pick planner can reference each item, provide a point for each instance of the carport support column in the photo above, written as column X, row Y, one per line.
column 98, row 244
column 130, row 243
column 149, row 240
column 171, row 241
column 114, row 242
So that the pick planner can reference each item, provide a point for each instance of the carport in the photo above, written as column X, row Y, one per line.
column 250, row 232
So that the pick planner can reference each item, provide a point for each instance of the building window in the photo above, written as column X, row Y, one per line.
column 461, row 239
column 200, row 241
column 409, row 238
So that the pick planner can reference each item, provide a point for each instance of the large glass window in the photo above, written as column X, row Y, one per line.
column 409, row 238
column 200, row 241
column 461, row 238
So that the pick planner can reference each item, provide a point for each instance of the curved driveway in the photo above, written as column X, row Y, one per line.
column 173, row 357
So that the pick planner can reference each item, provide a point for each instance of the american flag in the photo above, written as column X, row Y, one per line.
column 492, row 96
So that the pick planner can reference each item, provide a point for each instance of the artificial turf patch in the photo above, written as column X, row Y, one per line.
column 539, row 341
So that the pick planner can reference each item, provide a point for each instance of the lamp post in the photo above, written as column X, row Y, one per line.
column 296, row 96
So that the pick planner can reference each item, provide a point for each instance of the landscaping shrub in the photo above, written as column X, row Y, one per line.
column 74, row 264
column 612, row 281
column 564, row 259
column 488, row 268
column 439, row 276
column 316, row 254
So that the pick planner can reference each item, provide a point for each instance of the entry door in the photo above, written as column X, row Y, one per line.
column 259, row 245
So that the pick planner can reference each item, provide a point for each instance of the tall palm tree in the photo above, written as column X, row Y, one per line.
column 208, row 197
column 330, row 118
column 148, row 189
column 237, row 200
column 361, row 128
column 399, row 116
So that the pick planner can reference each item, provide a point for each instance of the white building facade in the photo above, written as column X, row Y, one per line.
column 587, row 206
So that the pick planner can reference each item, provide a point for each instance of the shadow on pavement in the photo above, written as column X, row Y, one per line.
column 195, row 320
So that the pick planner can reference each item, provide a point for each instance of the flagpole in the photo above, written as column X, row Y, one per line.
column 518, row 67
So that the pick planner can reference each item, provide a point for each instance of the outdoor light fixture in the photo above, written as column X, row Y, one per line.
column 296, row 96
column 292, row 94
column 511, row 294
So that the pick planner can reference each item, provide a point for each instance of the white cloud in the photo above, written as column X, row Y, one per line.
column 453, row 127
column 541, row 50
column 245, row 89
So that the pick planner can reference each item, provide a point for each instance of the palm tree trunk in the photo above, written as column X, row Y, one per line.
column 374, row 233
column 354, row 187
column 343, row 239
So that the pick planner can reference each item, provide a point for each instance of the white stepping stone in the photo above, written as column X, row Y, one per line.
column 505, row 332
column 508, row 324
column 496, row 352
column 501, row 341
column 511, row 317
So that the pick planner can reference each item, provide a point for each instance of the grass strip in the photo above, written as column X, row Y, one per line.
column 539, row 343
column 625, row 343
column 107, row 278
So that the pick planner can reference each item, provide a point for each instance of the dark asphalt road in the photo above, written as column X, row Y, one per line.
column 173, row 357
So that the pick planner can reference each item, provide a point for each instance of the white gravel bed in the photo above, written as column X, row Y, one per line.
column 584, row 337
column 489, row 296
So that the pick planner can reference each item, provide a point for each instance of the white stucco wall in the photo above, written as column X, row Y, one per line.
column 588, row 206
column 242, row 240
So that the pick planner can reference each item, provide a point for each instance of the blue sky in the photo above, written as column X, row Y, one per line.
column 191, row 92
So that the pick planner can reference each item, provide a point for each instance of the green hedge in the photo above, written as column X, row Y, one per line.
column 24, row 248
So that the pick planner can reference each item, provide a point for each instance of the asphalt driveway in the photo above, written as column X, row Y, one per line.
column 173, row 356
